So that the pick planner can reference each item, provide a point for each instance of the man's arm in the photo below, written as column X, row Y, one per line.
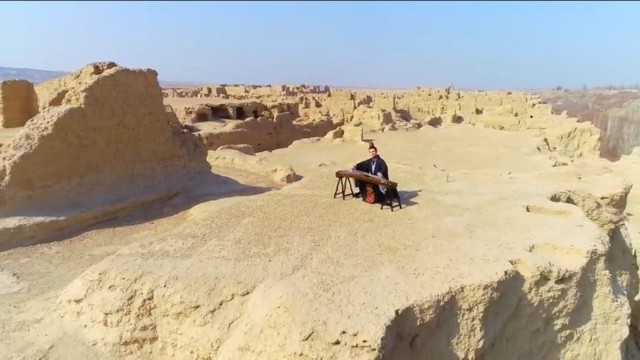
column 361, row 166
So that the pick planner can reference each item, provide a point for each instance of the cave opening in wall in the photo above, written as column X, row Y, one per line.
column 221, row 112
column 240, row 113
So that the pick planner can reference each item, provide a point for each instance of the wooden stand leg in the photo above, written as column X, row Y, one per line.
column 344, row 187
column 389, row 198
column 350, row 188
column 338, row 191
column 341, row 188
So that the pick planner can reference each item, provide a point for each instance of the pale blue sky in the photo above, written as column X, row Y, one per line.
column 387, row 44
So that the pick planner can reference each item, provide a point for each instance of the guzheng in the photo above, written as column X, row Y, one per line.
column 360, row 175
column 390, row 195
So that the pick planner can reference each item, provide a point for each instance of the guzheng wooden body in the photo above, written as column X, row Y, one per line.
column 363, row 176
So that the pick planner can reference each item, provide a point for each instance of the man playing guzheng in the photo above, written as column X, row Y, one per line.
column 376, row 166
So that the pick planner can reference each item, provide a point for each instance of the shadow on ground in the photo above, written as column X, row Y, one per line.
column 406, row 197
column 204, row 188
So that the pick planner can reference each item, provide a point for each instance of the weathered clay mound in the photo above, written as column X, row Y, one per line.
column 108, row 139
column 53, row 92
column 372, row 118
column 240, row 158
column 565, row 141
column 265, row 134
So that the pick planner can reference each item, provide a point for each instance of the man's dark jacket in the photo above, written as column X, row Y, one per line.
column 380, row 166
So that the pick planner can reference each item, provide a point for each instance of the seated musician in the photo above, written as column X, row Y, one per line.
column 376, row 166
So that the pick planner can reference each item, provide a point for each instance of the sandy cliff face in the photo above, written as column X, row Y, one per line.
column 552, row 309
column 615, row 112
column 621, row 130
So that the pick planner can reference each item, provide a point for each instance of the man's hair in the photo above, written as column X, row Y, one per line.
column 371, row 146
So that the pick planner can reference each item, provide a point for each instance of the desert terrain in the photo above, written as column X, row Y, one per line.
column 147, row 223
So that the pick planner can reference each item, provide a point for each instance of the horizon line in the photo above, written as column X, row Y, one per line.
column 190, row 83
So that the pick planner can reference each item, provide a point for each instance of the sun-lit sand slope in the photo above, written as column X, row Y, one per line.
column 514, row 241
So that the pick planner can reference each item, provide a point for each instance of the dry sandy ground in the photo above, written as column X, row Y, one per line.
column 293, row 272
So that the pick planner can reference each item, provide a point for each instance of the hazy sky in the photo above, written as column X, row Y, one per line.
column 386, row 44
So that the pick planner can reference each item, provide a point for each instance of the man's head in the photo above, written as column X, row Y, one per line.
column 373, row 151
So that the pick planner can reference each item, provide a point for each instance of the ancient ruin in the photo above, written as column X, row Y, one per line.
column 93, row 150
column 199, row 223
column 18, row 103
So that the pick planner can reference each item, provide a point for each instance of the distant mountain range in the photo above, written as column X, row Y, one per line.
column 33, row 75
column 37, row 76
